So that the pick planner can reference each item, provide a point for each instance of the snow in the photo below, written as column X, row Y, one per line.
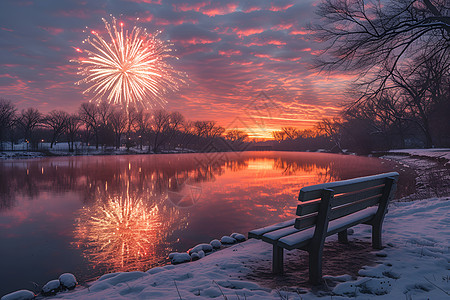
column 434, row 153
column 415, row 265
column 201, row 247
column 227, row 240
column 19, row 295
column 62, row 149
column 238, row 237
column 179, row 258
column 216, row 244
column 197, row 255
column 68, row 280
column 51, row 287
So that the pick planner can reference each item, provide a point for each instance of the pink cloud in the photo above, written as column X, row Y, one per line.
column 280, row 8
column 220, row 10
column 247, row 32
column 189, row 7
column 53, row 30
column 229, row 53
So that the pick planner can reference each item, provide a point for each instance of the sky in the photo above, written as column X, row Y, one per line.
column 248, row 62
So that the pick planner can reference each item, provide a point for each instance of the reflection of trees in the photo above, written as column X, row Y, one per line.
column 324, row 171
column 124, row 231
column 159, row 174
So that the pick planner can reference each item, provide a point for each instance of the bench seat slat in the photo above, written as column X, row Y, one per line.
column 272, row 236
column 258, row 233
column 301, row 238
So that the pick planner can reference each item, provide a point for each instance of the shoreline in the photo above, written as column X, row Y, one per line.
column 246, row 268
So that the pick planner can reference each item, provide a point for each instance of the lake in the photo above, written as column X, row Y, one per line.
column 97, row 214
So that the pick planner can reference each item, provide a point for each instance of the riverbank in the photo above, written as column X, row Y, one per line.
column 414, row 264
column 63, row 150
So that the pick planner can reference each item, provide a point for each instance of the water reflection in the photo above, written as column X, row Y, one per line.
column 123, row 232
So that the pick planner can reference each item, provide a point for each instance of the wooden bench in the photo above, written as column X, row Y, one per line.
column 326, row 209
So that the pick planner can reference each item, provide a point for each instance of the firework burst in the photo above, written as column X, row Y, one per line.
column 128, row 67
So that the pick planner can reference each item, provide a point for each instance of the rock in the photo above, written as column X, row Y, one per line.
column 201, row 247
column 179, row 258
column 350, row 231
column 216, row 244
column 227, row 240
column 19, row 295
column 68, row 281
column 197, row 255
column 239, row 237
column 51, row 287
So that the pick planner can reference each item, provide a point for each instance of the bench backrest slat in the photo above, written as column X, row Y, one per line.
column 306, row 221
column 351, row 196
column 305, row 208
column 350, row 208
column 359, row 195
column 315, row 191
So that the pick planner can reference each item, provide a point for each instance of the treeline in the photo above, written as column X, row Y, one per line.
column 400, row 51
column 106, row 125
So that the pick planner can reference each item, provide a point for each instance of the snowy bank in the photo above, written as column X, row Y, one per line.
column 440, row 154
column 415, row 264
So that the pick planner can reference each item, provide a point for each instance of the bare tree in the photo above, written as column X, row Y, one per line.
column 56, row 120
column 279, row 135
column 90, row 116
column 365, row 35
column 132, row 123
column 236, row 135
column 332, row 129
column 160, row 124
column 28, row 120
column 7, row 118
column 208, row 129
column 143, row 125
column 72, row 127
column 118, row 120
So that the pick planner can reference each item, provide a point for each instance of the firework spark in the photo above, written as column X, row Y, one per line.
column 128, row 67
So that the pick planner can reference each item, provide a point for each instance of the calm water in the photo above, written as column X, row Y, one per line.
column 91, row 215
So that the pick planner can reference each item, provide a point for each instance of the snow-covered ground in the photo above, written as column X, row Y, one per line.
column 62, row 149
column 441, row 154
column 415, row 264
column 432, row 168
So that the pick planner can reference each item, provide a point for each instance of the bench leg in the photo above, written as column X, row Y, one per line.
column 315, row 267
column 277, row 260
column 376, row 236
column 342, row 237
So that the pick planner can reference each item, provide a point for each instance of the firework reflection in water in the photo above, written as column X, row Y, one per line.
column 124, row 232
column 128, row 67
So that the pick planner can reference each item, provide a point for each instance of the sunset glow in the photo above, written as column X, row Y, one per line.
column 231, row 52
